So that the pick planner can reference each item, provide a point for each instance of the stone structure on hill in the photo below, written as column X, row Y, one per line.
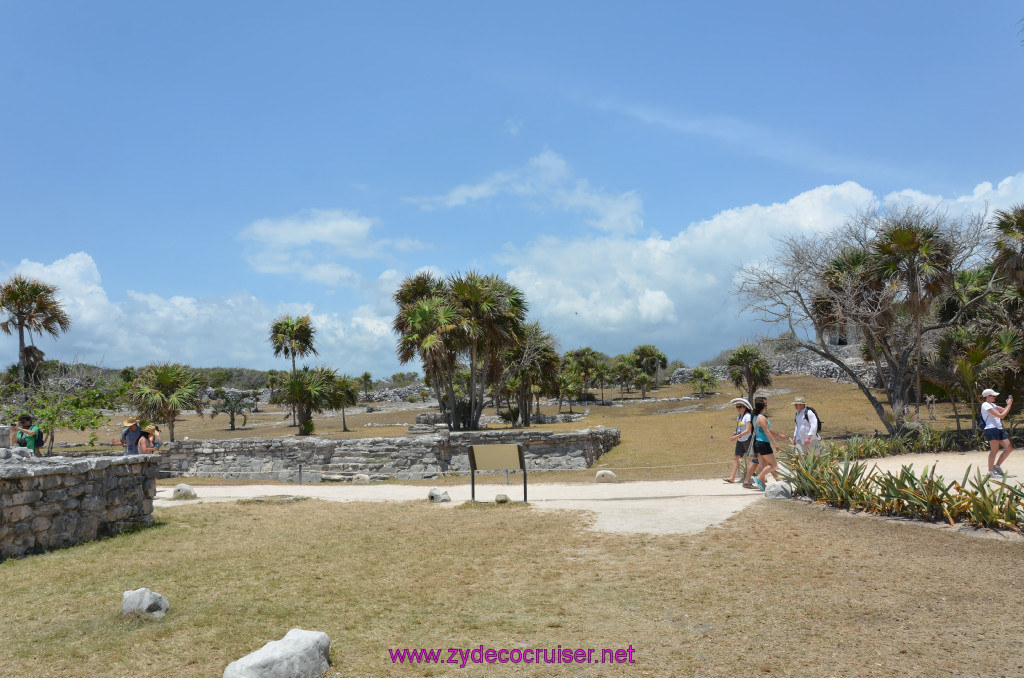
column 799, row 361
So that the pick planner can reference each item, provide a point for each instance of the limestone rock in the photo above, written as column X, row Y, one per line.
column 778, row 490
column 605, row 476
column 144, row 601
column 300, row 654
column 361, row 479
column 436, row 495
column 184, row 491
column 502, row 499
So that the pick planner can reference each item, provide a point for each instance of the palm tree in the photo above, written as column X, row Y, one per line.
column 490, row 317
column 234, row 405
column 346, row 393
column 31, row 306
column 367, row 381
column 310, row 391
column 293, row 337
column 1009, row 243
column 649, row 359
column 532, row 364
column 162, row 392
column 703, row 380
column 749, row 369
column 915, row 255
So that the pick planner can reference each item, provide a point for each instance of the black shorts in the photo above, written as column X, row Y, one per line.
column 741, row 447
column 762, row 447
column 996, row 434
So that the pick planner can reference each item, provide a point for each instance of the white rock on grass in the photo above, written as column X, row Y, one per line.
column 144, row 601
column 183, row 491
column 502, row 499
column 300, row 654
column 437, row 495
column 605, row 476
column 778, row 490
column 361, row 479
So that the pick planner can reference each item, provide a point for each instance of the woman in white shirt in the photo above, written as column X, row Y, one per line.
column 994, row 433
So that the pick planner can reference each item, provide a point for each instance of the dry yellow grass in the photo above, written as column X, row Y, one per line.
column 783, row 589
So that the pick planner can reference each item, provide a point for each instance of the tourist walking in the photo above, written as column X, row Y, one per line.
column 805, row 434
column 130, row 435
column 763, row 443
column 993, row 416
column 744, row 429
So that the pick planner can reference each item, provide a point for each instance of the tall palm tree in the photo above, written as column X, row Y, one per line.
column 162, row 392
column 425, row 327
column 31, row 306
column 915, row 255
column 293, row 337
column 748, row 369
column 491, row 315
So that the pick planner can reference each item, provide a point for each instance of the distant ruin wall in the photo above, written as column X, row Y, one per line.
column 52, row 502
column 422, row 456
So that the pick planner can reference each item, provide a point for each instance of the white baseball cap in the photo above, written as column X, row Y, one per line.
column 988, row 392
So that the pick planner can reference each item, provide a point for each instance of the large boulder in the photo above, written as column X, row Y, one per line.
column 300, row 654
column 778, row 490
column 144, row 602
column 183, row 492
column 436, row 495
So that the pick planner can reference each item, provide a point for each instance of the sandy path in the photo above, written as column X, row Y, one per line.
column 659, row 507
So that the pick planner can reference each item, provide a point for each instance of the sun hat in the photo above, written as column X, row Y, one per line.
column 988, row 392
column 799, row 401
column 150, row 429
column 741, row 401
column 130, row 421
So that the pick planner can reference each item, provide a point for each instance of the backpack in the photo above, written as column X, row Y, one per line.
column 980, row 420
column 815, row 416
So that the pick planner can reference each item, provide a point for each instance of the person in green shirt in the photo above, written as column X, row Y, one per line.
column 26, row 432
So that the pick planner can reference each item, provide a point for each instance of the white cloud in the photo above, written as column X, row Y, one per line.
column 548, row 180
column 616, row 292
column 228, row 331
column 308, row 244
column 1005, row 194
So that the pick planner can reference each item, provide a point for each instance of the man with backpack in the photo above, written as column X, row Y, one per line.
column 27, row 434
column 808, row 427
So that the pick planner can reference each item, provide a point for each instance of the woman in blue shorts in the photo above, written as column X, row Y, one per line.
column 994, row 433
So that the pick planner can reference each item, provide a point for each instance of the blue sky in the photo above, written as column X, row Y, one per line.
column 188, row 171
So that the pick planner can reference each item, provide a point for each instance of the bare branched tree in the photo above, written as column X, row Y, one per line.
column 840, row 280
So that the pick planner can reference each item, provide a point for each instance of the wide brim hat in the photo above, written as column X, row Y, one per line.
column 150, row 429
column 988, row 392
column 741, row 401
column 799, row 401
column 130, row 421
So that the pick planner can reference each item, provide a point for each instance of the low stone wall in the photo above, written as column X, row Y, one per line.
column 51, row 502
column 423, row 456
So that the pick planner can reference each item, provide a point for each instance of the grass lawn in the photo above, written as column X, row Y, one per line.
column 782, row 589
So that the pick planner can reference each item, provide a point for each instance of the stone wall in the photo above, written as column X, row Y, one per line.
column 423, row 456
column 52, row 502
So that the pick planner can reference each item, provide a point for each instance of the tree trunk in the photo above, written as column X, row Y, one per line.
column 22, row 379
column 344, row 426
